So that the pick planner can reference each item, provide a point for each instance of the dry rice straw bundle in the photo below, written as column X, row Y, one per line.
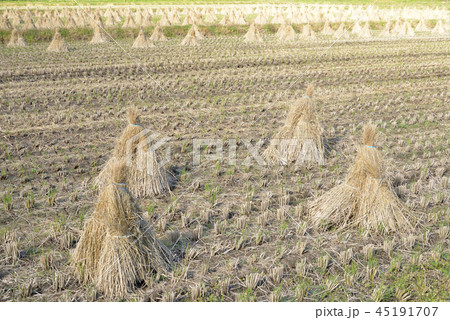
column 280, row 30
column 86, row 254
column 327, row 30
column 99, row 35
column 300, row 139
column 365, row 199
column 16, row 39
column 145, row 177
column 308, row 32
column 190, row 39
column 118, row 248
column 158, row 34
column 58, row 44
column 252, row 34
column 141, row 41
column 309, row 135
column 287, row 33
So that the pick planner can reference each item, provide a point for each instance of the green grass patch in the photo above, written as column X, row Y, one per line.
column 85, row 34
column 418, row 283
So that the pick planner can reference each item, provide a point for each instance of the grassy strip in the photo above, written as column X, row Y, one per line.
column 85, row 34
column 420, row 281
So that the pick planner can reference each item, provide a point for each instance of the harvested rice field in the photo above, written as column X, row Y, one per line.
column 231, row 228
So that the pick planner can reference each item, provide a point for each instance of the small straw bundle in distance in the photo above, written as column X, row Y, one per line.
column 341, row 32
column 422, row 26
column 145, row 177
column 99, row 35
column 198, row 34
column 252, row 34
column 129, row 23
column 356, row 28
column 365, row 200
column 142, row 42
column 438, row 28
column 5, row 24
column 58, row 44
column 387, row 32
column 365, row 31
column 118, row 248
column 70, row 23
column 281, row 30
column 300, row 139
column 308, row 32
column 190, row 39
column 158, row 34
column 287, row 33
column 327, row 30
column 16, row 39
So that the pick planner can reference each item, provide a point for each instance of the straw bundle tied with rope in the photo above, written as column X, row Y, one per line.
column 118, row 249
column 57, row 22
column 16, row 39
column 252, row 34
column 190, row 39
column 260, row 19
column 147, row 21
column 386, row 30
column 300, row 139
column 308, row 33
column 198, row 34
column 5, row 24
column 280, row 30
column 356, row 28
column 158, row 34
column 439, row 28
column 287, row 33
column 188, row 20
column 365, row 199
column 58, row 43
column 142, row 41
column 145, row 177
column 29, row 25
column 225, row 20
column 406, row 29
column 327, row 30
column 129, row 23
column 99, row 35
column 341, row 32
column 365, row 31
column 422, row 26
column 165, row 22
